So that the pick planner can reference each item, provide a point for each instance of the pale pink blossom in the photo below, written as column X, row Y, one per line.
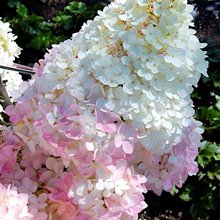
column 13, row 205
column 7, row 158
column 125, row 138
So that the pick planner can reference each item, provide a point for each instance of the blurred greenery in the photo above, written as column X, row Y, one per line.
column 41, row 23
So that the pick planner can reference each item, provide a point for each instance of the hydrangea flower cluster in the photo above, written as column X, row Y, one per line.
column 108, row 115
column 8, row 51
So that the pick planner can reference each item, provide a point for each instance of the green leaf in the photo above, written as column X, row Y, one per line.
column 76, row 7
column 174, row 191
column 22, row 10
column 201, row 175
column 209, row 152
column 214, row 60
column 207, row 200
column 186, row 194
column 62, row 18
column 195, row 209
column 12, row 3
column 213, row 175
column 210, row 116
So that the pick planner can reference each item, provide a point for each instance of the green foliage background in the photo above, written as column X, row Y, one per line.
column 41, row 23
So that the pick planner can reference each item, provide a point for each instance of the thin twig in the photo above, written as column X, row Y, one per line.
column 16, row 69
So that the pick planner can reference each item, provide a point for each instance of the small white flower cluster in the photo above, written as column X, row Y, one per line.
column 9, row 50
column 8, row 47
column 146, row 59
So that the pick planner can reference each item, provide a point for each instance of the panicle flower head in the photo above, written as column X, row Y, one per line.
column 109, row 113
